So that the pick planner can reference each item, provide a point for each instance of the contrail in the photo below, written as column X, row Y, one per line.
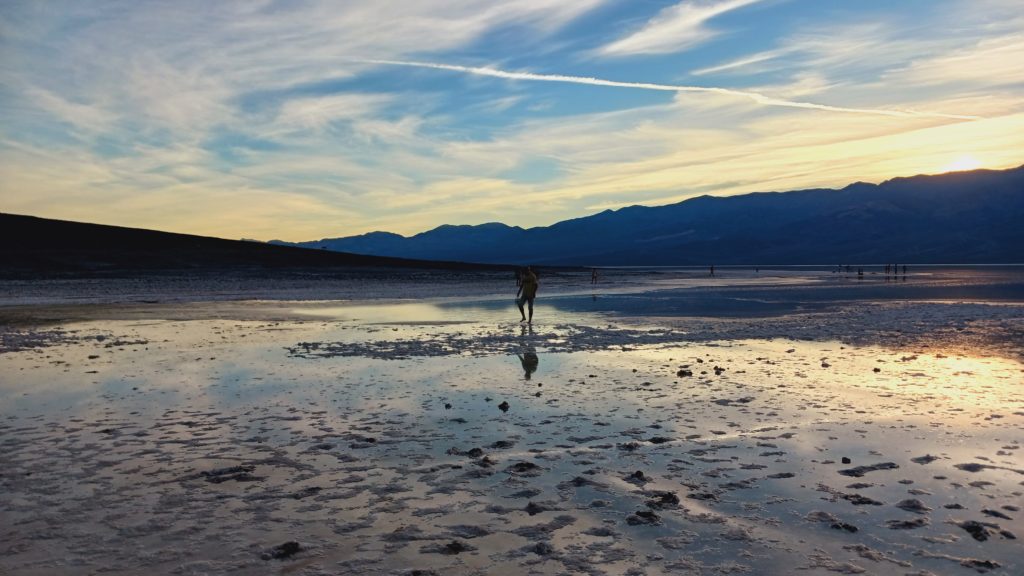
column 755, row 96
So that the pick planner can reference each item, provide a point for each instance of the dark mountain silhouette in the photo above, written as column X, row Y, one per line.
column 33, row 247
column 961, row 217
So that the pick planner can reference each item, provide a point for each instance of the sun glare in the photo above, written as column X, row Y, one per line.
column 962, row 163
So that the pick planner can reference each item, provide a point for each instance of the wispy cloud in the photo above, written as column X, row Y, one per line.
column 744, row 62
column 172, row 115
column 674, row 29
column 754, row 96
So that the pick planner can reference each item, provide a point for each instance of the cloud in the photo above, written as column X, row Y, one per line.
column 318, row 112
column 744, row 62
column 989, row 62
column 754, row 96
column 173, row 115
column 674, row 29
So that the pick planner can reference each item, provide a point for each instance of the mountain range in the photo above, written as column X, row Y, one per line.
column 957, row 217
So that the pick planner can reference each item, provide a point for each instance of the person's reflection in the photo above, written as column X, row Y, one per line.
column 527, row 352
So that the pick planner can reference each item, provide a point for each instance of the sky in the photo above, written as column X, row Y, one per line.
column 302, row 120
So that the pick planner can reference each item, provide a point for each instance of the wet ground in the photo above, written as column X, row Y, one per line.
column 443, row 437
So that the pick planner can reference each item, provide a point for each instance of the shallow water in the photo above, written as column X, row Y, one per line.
column 119, row 442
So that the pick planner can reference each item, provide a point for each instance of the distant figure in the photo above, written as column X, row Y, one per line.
column 593, row 276
column 519, row 277
column 860, row 273
column 712, row 269
column 526, row 293
column 904, row 269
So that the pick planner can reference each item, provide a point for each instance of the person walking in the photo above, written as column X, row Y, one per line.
column 526, row 293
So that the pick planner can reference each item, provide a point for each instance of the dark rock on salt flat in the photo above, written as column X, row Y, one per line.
column 282, row 551
column 467, row 531
column 907, row 524
column 659, row 440
column 485, row 462
column 643, row 517
column 629, row 446
column 746, row 484
column 913, row 505
column 528, row 493
column 450, row 549
column 731, row 401
column 844, row 526
column 637, row 477
column 663, row 500
column 862, row 470
column 533, row 509
column 820, row 516
column 242, row 473
column 1007, row 534
column 995, row 514
column 978, row 530
column 305, row 492
column 475, row 452
column 860, row 500
column 980, row 565
column 405, row 534
column 502, row 444
column 583, row 439
column 846, row 460
column 504, row 406
column 781, row 475
column 953, row 506
column 543, row 531
column 926, row 459
column 971, row 467
column 527, row 468
column 577, row 482
column 542, row 549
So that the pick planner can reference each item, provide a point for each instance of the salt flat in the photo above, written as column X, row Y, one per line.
column 620, row 434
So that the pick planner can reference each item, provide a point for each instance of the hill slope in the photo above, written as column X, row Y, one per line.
column 31, row 246
column 963, row 217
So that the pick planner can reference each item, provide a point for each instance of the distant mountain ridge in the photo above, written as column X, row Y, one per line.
column 960, row 217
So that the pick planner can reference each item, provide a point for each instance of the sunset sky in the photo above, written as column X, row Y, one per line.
column 305, row 120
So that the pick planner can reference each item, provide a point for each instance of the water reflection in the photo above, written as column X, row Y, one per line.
column 363, row 447
column 527, row 353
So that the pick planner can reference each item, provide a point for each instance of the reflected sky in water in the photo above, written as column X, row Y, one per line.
column 119, row 431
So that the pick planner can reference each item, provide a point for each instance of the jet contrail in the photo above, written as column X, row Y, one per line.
column 756, row 97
